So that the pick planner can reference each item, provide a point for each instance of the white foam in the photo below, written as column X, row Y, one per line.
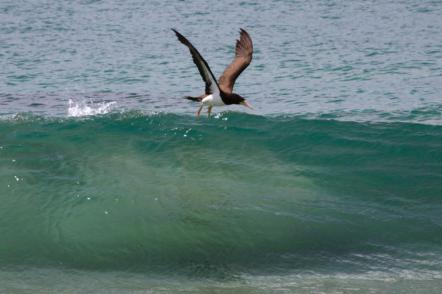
column 76, row 109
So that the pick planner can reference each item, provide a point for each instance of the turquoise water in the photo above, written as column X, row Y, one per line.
column 109, row 184
column 229, row 199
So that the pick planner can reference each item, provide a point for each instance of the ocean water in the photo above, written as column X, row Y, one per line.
column 109, row 184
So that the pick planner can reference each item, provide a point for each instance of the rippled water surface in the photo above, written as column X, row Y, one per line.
column 349, row 58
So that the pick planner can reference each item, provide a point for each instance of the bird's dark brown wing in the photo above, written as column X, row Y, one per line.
column 203, row 67
column 243, row 57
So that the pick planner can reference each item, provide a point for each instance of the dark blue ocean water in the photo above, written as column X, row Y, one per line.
column 353, row 59
column 109, row 184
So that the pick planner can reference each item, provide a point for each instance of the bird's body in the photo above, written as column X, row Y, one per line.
column 213, row 100
column 220, row 93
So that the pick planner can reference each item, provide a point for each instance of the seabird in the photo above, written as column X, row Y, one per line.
column 220, row 93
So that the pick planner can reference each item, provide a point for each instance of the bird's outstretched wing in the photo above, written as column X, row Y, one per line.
column 243, row 57
column 203, row 67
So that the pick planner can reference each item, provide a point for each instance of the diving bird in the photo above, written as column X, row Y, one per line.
column 220, row 93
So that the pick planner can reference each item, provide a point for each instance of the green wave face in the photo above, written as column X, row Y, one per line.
column 136, row 191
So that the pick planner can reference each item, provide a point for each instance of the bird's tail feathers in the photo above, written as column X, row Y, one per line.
column 197, row 99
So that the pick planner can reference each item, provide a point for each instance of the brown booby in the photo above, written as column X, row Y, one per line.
column 220, row 93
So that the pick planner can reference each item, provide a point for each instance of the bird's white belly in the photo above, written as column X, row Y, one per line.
column 213, row 100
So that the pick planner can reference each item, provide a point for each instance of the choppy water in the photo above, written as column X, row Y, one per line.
column 108, row 184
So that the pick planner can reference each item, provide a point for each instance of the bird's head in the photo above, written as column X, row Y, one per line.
column 237, row 99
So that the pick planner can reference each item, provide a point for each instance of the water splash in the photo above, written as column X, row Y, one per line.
column 82, row 108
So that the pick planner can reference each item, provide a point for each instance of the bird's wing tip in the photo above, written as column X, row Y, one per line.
column 176, row 32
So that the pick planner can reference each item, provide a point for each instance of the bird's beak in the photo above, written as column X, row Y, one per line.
column 246, row 104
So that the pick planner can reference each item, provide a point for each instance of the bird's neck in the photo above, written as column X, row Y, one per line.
column 228, row 98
